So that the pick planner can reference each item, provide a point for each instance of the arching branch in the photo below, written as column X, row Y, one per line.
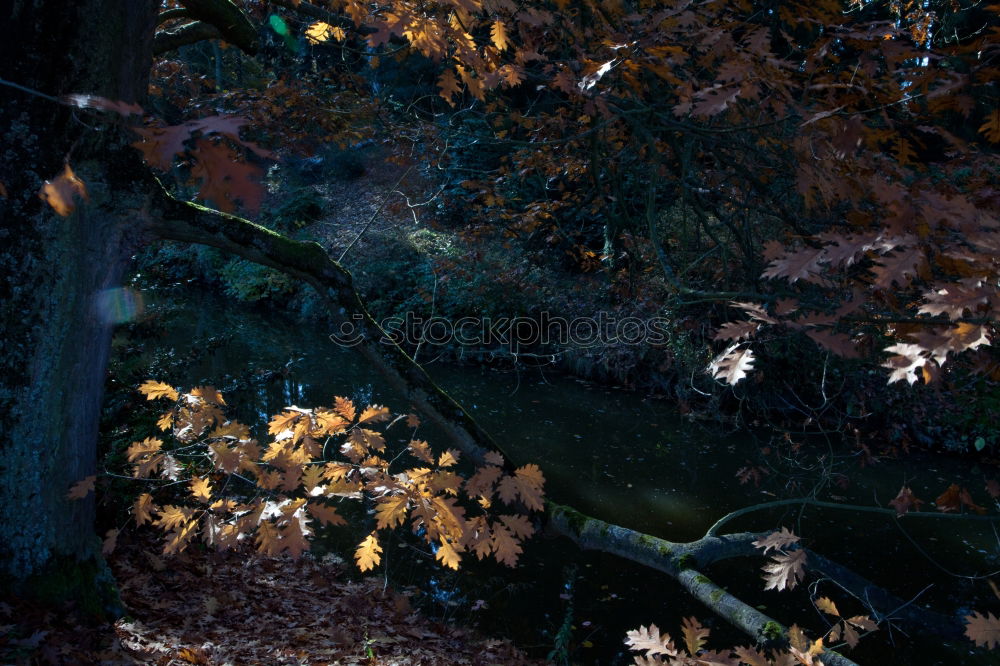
column 214, row 19
column 189, row 33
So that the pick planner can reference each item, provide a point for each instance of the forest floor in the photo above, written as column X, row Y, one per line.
column 236, row 608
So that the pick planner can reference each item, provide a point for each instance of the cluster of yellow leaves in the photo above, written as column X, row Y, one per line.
column 236, row 489
column 428, row 497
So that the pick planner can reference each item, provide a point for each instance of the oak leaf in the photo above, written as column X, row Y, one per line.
column 391, row 511
column 374, row 414
column 505, row 546
column 208, row 394
column 650, row 641
column 694, row 635
column 325, row 514
column 224, row 178
column 732, row 365
column 827, row 605
column 154, row 389
column 527, row 483
column 447, row 555
column 344, row 407
column 201, row 489
column 367, row 553
column 82, row 488
column 498, row 35
column 143, row 509
column 145, row 447
column 449, row 458
column 785, row 570
column 983, row 630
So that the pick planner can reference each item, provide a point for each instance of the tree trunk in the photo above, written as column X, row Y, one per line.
column 54, row 336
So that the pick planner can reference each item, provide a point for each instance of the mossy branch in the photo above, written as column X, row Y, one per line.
column 173, row 219
column 682, row 561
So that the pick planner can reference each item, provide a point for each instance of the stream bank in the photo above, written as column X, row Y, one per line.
column 608, row 453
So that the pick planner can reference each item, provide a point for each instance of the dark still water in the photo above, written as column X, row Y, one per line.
column 616, row 456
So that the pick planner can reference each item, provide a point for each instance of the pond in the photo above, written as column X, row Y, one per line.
column 615, row 455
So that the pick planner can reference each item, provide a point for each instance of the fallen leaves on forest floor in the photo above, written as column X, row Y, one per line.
column 236, row 608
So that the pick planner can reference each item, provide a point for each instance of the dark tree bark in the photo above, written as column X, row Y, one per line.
column 54, row 340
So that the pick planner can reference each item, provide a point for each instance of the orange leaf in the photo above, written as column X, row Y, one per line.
column 60, row 192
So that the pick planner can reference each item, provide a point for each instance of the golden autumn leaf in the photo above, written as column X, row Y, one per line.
column 421, row 450
column 826, row 605
column 311, row 479
column 208, row 394
column 374, row 414
column 412, row 421
column 318, row 32
column 391, row 511
column 268, row 539
column 519, row 525
column 449, row 458
column 498, row 35
column 285, row 421
column 180, row 537
column 201, row 489
column 166, row 420
column 482, row 482
column 153, row 389
column 172, row 516
column 527, row 483
column 447, row 555
column 449, row 86
column 61, row 192
column 143, row 509
column 82, row 488
column 367, row 553
column 344, row 407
